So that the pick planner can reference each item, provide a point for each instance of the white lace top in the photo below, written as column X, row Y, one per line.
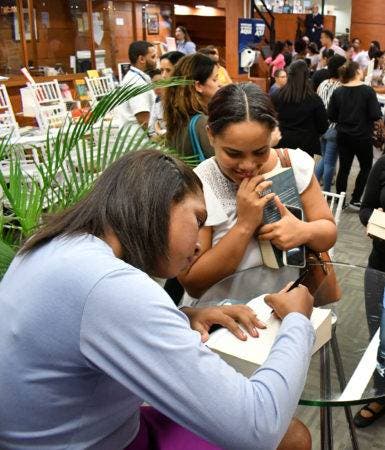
column 220, row 196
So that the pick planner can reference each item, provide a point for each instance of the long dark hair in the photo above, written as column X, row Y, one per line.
column 278, row 48
column 132, row 198
column 185, row 32
column 348, row 71
column 298, row 86
column 236, row 103
column 182, row 102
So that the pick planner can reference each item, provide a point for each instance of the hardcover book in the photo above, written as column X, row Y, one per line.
column 254, row 351
column 284, row 185
column 376, row 224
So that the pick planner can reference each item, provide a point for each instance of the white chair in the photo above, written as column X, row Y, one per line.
column 8, row 124
column 51, row 111
column 336, row 203
column 99, row 87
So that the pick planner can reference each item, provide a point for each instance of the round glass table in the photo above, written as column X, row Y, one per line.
column 343, row 372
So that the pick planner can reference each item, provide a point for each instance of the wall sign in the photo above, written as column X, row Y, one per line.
column 250, row 33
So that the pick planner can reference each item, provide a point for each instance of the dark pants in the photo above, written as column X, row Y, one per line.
column 348, row 147
column 374, row 293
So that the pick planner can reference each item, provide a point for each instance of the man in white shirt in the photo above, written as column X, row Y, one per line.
column 143, row 57
column 327, row 37
column 360, row 56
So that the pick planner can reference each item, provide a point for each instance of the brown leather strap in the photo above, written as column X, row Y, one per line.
column 284, row 157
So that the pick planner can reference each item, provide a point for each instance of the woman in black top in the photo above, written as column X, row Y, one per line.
column 354, row 108
column 374, row 198
column 301, row 113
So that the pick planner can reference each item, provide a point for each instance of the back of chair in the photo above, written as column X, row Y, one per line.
column 336, row 203
column 51, row 111
column 99, row 87
column 8, row 124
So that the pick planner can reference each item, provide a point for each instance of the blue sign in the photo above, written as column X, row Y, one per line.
column 250, row 32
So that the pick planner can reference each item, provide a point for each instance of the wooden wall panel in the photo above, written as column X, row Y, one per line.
column 368, row 21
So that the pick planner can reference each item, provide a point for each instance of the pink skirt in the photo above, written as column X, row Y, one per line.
column 158, row 432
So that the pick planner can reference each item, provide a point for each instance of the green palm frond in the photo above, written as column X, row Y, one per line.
column 66, row 166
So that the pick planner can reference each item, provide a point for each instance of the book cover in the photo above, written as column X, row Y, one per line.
column 284, row 185
column 254, row 351
column 81, row 89
column 376, row 224
column 92, row 74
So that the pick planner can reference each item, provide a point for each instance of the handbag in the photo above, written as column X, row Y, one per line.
column 321, row 279
column 379, row 133
column 194, row 138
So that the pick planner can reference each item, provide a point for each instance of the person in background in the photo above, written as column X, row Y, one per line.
column 184, row 43
column 287, row 8
column 314, row 25
column 301, row 113
column 300, row 48
column 181, row 103
column 325, row 168
column 354, row 108
column 373, row 49
column 88, row 336
column 276, row 60
column 280, row 79
column 167, row 63
column 360, row 56
column 143, row 57
column 313, row 55
column 378, row 77
column 374, row 198
column 349, row 53
column 322, row 74
column 327, row 38
column 288, row 52
column 157, row 125
column 212, row 52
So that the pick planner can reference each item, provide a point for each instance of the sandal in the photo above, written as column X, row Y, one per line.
column 360, row 421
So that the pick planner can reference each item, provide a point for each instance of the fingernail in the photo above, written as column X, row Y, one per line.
column 242, row 335
column 262, row 324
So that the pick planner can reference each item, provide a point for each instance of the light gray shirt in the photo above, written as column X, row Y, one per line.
column 85, row 338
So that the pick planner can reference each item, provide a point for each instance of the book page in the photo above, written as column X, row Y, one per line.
column 256, row 350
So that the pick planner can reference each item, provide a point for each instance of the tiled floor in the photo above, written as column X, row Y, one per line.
column 352, row 247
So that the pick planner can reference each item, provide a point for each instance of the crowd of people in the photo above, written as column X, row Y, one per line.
column 87, row 335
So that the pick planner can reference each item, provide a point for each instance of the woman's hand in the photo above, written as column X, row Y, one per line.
column 289, row 232
column 251, row 201
column 201, row 319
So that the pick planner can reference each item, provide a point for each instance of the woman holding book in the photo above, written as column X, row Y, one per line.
column 240, row 123
column 86, row 336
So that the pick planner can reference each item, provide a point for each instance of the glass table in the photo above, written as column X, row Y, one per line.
column 342, row 373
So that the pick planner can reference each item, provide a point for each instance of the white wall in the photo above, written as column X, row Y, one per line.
column 342, row 11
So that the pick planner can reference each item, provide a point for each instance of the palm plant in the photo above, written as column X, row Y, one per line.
column 65, row 169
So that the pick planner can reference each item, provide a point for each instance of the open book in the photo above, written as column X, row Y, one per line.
column 285, row 186
column 256, row 350
column 376, row 224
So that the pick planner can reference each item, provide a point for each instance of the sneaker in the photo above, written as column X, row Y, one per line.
column 355, row 205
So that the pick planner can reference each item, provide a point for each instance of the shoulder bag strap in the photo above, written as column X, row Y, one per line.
column 284, row 157
column 194, row 139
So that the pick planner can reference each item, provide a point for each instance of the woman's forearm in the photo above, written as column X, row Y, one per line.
column 320, row 235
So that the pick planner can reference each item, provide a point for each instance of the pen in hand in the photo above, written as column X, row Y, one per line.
column 297, row 282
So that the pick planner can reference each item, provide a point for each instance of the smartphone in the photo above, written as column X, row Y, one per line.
column 295, row 257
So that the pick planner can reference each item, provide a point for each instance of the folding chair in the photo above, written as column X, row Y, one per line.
column 51, row 111
column 8, row 124
column 336, row 203
column 99, row 87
